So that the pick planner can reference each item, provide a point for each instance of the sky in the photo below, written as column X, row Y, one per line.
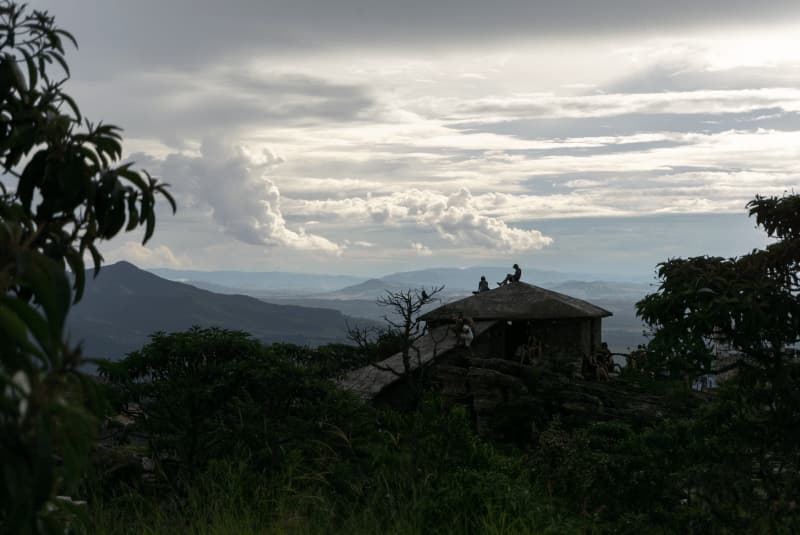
column 368, row 137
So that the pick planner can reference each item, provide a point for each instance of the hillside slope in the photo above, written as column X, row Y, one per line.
column 124, row 305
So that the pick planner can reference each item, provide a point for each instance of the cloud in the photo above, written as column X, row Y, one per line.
column 459, row 221
column 457, row 218
column 307, row 187
column 231, row 182
column 549, row 106
column 421, row 249
column 185, row 33
column 359, row 243
column 177, row 105
column 146, row 256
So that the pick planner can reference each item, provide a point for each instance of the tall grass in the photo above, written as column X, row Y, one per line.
column 229, row 499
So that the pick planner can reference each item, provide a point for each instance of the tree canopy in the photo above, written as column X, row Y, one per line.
column 745, row 307
column 63, row 190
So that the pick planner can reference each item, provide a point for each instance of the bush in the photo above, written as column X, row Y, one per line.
column 210, row 394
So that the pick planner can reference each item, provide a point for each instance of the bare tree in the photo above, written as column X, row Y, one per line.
column 403, row 320
column 406, row 306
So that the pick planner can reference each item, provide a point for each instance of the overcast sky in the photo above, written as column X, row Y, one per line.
column 365, row 137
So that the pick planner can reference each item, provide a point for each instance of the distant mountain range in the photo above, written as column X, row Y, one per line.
column 621, row 331
column 124, row 305
column 269, row 281
column 357, row 296
column 284, row 284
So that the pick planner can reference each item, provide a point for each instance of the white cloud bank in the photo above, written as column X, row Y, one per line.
column 415, row 151
column 228, row 184
column 551, row 106
column 458, row 218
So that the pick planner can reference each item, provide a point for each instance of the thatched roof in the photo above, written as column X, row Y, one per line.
column 517, row 301
column 370, row 380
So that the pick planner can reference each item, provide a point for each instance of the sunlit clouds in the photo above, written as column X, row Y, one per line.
column 452, row 141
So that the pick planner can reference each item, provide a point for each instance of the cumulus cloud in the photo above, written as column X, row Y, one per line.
column 457, row 218
column 536, row 110
column 459, row 221
column 246, row 204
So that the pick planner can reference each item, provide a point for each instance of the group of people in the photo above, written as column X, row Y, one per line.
column 464, row 327
column 483, row 285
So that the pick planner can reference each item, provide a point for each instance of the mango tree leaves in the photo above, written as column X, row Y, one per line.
column 71, row 191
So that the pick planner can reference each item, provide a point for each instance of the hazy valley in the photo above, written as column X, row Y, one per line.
column 125, row 304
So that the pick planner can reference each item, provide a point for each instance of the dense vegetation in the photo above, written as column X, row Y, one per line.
column 283, row 450
column 69, row 195
column 263, row 431
column 209, row 431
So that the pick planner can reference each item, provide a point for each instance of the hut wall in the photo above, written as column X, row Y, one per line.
column 597, row 334
column 490, row 342
column 565, row 340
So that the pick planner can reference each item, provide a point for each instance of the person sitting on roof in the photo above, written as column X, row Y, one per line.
column 483, row 285
column 515, row 277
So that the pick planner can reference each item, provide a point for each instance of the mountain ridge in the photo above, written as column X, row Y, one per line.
column 124, row 305
column 283, row 283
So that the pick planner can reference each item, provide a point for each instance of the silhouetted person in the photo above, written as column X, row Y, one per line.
column 512, row 277
column 458, row 324
column 465, row 331
column 483, row 285
column 467, row 334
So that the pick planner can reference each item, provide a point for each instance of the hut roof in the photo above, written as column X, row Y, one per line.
column 518, row 300
column 370, row 380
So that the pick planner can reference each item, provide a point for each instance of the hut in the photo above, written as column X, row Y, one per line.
column 517, row 321
column 528, row 323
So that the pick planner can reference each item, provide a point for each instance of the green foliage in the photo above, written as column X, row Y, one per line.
column 708, row 473
column 230, row 499
column 302, row 457
column 422, row 472
column 206, row 394
column 747, row 304
column 59, row 196
column 739, row 457
column 249, row 437
column 326, row 361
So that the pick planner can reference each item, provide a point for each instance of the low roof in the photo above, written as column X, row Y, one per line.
column 370, row 380
column 518, row 300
